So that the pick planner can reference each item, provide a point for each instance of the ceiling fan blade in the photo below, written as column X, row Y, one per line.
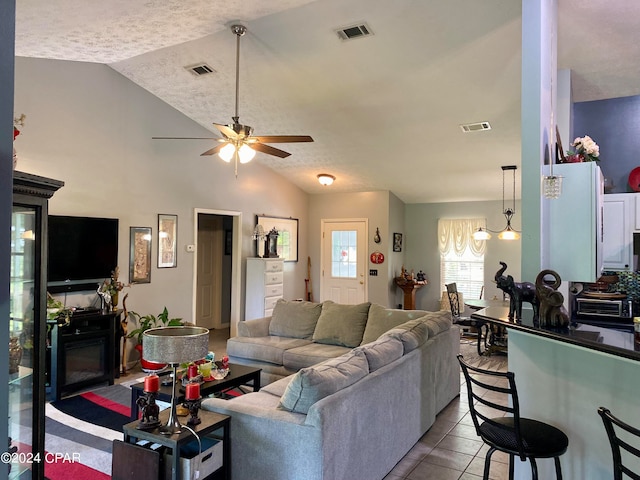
column 261, row 147
column 214, row 150
column 283, row 138
column 225, row 130
column 185, row 138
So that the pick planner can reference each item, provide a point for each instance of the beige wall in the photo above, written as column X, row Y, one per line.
column 90, row 127
column 373, row 206
column 421, row 222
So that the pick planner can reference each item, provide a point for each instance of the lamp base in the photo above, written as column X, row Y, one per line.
column 173, row 424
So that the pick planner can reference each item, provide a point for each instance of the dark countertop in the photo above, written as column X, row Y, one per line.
column 607, row 340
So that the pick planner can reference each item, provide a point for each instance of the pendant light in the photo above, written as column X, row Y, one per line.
column 508, row 233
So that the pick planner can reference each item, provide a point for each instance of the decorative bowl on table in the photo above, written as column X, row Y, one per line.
column 219, row 373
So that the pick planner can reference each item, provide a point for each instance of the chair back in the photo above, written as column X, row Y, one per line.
column 480, row 383
column 454, row 299
column 611, row 423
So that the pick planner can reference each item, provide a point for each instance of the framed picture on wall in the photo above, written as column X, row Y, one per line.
column 397, row 242
column 287, row 244
column 167, row 241
column 139, row 254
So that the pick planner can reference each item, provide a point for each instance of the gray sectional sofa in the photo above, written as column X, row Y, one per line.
column 358, row 386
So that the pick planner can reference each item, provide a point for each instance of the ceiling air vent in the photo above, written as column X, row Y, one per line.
column 475, row 127
column 354, row 31
column 200, row 69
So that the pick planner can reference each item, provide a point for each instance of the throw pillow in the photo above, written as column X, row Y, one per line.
column 384, row 319
column 314, row 383
column 294, row 319
column 412, row 334
column 341, row 324
column 382, row 352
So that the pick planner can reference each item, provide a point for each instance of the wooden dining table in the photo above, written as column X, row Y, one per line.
column 491, row 338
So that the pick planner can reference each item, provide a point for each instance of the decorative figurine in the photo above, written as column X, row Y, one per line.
column 271, row 244
column 421, row 276
column 518, row 292
column 552, row 311
column 150, row 411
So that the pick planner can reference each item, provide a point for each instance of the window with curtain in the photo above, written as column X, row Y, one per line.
column 461, row 257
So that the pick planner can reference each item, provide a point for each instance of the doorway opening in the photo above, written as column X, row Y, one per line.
column 216, row 279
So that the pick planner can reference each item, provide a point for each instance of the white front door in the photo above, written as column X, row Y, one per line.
column 344, row 260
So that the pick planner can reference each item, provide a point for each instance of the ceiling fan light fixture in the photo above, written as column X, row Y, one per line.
column 325, row 179
column 246, row 153
column 227, row 152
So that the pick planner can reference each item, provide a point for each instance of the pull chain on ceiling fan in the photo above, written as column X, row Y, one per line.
column 238, row 142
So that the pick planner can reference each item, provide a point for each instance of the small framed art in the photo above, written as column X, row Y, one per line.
column 397, row 242
column 140, row 255
column 167, row 241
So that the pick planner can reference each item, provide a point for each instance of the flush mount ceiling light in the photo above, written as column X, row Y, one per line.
column 508, row 233
column 326, row 179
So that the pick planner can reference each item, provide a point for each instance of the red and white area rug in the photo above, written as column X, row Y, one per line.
column 79, row 432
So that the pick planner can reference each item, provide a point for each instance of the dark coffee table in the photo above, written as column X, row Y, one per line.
column 239, row 375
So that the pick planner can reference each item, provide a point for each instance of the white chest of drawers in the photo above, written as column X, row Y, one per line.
column 264, row 286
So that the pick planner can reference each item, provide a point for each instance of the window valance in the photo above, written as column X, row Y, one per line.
column 456, row 235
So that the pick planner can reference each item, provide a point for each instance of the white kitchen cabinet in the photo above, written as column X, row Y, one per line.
column 636, row 209
column 617, row 245
column 265, row 284
column 575, row 222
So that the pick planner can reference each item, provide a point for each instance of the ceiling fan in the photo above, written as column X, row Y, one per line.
column 237, row 141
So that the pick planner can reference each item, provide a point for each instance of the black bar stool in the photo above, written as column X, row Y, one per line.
column 617, row 443
column 529, row 439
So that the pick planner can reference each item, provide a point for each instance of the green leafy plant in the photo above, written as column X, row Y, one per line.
column 151, row 321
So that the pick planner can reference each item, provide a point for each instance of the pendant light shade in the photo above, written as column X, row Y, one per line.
column 508, row 233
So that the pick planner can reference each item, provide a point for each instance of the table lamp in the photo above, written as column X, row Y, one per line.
column 175, row 345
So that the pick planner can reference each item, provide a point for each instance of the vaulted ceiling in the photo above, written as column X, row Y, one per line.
column 384, row 110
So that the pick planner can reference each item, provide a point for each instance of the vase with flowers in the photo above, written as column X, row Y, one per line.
column 585, row 150
column 110, row 289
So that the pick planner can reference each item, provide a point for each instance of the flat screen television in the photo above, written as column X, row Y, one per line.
column 81, row 249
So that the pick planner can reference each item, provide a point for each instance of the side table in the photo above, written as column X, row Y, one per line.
column 210, row 423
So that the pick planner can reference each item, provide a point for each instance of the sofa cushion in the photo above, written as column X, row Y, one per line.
column 412, row 334
column 314, row 383
column 311, row 354
column 341, row 324
column 381, row 352
column 294, row 319
column 438, row 322
column 278, row 387
column 384, row 319
column 265, row 349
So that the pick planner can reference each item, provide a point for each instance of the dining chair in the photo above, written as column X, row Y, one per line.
column 501, row 426
column 617, row 443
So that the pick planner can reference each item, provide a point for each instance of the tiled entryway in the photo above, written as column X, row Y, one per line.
column 451, row 450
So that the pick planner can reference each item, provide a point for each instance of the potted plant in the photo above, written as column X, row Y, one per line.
column 145, row 323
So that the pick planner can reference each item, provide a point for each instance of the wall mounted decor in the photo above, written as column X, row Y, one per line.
column 397, row 242
column 287, row 246
column 167, row 241
column 139, row 254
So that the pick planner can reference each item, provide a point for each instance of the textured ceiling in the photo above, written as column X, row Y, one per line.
column 384, row 111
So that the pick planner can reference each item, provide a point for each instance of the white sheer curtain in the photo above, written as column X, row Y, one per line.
column 456, row 235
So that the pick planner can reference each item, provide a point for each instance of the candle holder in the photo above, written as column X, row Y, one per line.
column 150, row 411
column 193, row 406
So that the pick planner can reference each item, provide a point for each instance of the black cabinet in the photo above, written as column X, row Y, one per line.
column 27, row 324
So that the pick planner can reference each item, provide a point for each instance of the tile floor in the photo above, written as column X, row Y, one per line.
column 450, row 450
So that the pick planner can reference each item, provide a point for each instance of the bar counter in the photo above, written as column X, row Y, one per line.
column 563, row 376
column 607, row 340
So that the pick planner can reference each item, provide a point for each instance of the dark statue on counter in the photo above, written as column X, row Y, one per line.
column 518, row 292
column 552, row 311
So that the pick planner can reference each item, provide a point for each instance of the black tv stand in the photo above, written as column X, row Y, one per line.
column 83, row 353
